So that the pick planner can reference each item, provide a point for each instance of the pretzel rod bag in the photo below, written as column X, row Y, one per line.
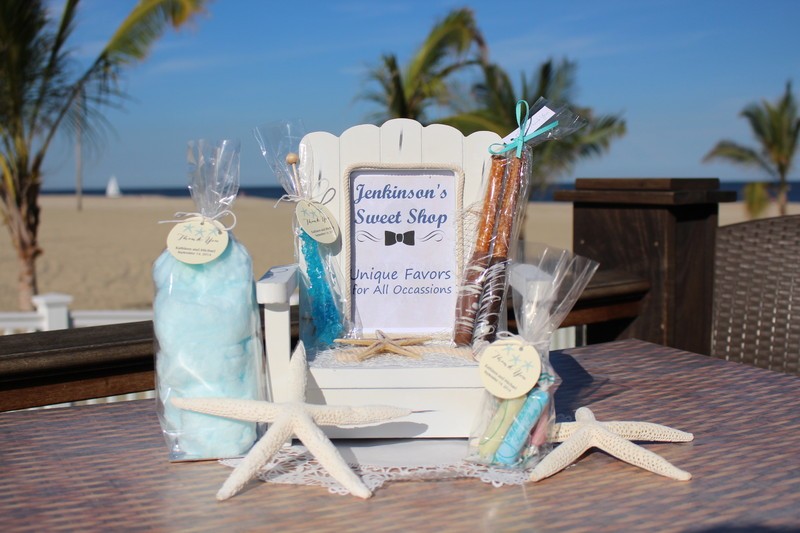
column 472, row 284
column 509, row 218
column 481, row 297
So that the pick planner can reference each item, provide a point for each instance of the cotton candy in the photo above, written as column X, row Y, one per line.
column 208, row 333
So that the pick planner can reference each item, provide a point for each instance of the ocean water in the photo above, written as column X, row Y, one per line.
column 545, row 195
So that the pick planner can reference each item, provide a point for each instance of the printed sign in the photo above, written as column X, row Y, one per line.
column 405, row 228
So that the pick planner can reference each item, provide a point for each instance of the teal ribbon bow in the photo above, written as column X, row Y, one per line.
column 521, row 139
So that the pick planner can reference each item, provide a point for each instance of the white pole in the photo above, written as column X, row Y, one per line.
column 53, row 307
column 79, row 170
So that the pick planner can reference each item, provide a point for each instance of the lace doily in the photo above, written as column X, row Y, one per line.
column 377, row 465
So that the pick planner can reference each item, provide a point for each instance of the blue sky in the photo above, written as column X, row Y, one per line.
column 679, row 72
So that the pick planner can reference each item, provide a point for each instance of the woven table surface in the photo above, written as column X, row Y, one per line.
column 104, row 467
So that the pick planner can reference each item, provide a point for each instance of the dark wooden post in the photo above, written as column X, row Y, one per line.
column 663, row 230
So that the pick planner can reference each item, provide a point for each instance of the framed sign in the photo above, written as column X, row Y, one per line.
column 403, row 241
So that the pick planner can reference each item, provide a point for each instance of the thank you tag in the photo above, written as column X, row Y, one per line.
column 317, row 221
column 510, row 368
column 197, row 240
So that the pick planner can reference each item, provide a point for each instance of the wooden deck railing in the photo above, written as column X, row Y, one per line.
column 51, row 367
column 663, row 231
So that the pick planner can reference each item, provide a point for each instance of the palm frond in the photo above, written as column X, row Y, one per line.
column 495, row 99
column 756, row 198
column 98, row 87
column 597, row 136
column 144, row 25
column 776, row 129
column 736, row 153
column 494, row 103
column 425, row 80
column 554, row 81
column 43, row 91
column 452, row 37
column 391, row 96
column 471, row 122
column 57, row 64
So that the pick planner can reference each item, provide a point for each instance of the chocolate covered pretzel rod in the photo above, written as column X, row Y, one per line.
column 494, row 291
column 472, row 287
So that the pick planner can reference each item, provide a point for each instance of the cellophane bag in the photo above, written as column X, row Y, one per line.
column 316, row 234
column 480, row 308
column 206, row 319
column 512, row 432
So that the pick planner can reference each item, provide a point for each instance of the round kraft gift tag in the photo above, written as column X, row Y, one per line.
column 317, row 221
column 197, row 240
column 509, row 368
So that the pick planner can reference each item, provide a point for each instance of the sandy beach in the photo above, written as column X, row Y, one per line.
column 103, row 255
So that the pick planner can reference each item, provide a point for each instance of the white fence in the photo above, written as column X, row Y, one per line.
column 53, row 312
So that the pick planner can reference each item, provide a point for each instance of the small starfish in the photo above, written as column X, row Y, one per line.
column 297, row 418
column 613, row 438
column 382, row 343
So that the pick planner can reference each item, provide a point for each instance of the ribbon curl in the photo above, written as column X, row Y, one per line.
column 290, row 197
column 518, row 142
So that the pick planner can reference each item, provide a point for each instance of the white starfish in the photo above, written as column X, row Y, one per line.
column 297, row 418
column 382, row 343
column 613, row 438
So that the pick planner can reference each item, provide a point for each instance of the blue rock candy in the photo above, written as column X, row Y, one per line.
column 207, row 326
column 324, row 312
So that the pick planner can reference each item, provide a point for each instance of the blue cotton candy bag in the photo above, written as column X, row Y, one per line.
column 207, row 326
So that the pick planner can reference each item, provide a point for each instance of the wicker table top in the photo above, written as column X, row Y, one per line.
column 104, row 467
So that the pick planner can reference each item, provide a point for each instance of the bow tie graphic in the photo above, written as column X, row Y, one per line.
column 406, row 238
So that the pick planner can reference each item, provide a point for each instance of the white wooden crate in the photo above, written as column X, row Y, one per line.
column 447, row 398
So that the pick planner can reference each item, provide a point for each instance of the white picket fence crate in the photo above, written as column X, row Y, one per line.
column 444, row 399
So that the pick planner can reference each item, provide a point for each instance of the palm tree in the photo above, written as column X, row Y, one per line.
column 494, row 109
column 776, row 128
column 409, row 92
column 43, row 91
